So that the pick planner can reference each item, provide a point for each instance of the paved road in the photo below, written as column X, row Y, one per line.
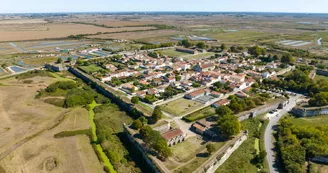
column 268, row 142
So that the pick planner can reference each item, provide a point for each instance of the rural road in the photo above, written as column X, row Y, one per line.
column 268, row 138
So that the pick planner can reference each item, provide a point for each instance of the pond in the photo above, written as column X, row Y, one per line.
column 17, row 69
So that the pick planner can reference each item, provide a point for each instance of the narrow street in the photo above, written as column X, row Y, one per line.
column 268, row 136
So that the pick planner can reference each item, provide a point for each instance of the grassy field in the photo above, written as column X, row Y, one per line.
column 180, row 106
column 30, row 124
column 191, row 154
column 188, row 149
column 40, row 61
column 319, row 77
column 198, row 56
column 311, row 121
column 206, row 112
column 173, row 53
column 91, row 68
column 241, row 35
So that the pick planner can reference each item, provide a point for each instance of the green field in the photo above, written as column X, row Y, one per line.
column 311, row 121
column 198, row 56
column 173, row 53
column 180, row 106
column 319, row 77
column 91, row 68
column 206, row 112
column 189, row 151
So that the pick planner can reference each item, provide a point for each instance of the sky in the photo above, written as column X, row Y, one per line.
column 37, row 6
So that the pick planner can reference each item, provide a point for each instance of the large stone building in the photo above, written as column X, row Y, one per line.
column 174, row 136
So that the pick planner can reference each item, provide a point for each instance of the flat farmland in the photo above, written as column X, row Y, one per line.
column 120, row 23
column 21, row 21
column 56, row 30
column 27, row 142
column 137, row 35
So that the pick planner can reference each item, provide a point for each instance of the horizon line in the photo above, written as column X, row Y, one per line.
column 74, row 12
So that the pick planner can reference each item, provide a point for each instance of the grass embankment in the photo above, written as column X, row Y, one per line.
column 242, row 160
column 103, row 157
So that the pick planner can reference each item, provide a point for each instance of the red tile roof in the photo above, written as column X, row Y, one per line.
column 196, row 93
column 172, row 134
column 222, row 102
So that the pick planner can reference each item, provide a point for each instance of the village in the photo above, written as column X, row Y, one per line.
column 188, row 93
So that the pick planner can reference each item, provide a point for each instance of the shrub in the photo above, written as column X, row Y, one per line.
column 72, row 133
column 137, row 124
column 77, row 97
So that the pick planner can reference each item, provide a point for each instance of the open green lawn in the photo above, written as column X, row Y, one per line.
column 173, row 53
column 188, row 149
column 198, row 56
column 181, row 106
column 192, row 149
column 318, row 77
column 59, row 78
column 91, row 68
column 206, row 112
column 311, row 121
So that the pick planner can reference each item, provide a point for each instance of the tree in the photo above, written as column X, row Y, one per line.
column 161, row 147
column 223, row 47
column 321, row 66
column 186, row 43
column 69, row 59
column 210, row 148
column 59, row 60
column 137, row 124
column 135, row 100
column 261, row 157
column 255, row 85
column 257, row 51
column 287, row 59
column 233, row 49
column 177, row 78
column 238, row 70
column 143, row 120
column 320, row 99
column 153, row 54
column 157, row 114
column 201, row 45
column 145, row 131
column 223, row 110
column 229, row 125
